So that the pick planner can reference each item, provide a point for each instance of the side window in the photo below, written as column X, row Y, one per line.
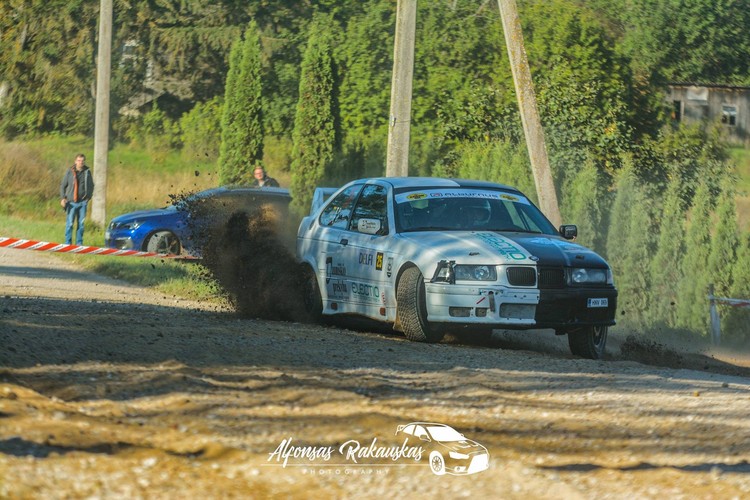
column 338, row 212
column 372, row 204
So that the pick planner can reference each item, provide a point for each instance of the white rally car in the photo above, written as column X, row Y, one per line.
column 430, row 255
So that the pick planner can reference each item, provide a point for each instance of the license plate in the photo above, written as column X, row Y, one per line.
column 598, row 302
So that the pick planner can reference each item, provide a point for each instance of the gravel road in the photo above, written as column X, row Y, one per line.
column 111, row 390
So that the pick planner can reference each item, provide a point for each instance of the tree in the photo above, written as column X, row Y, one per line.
column 619, row 218
column 503, row 161
column 241, row 123
column 666, row 267
column 692, row 305
column 583, row 203
column 635, row 280
column 583, row 87
column 200, row 130
column 724, row 241
column 366, row 62
column 314, row 133
column 47, row 62
column 736, row 322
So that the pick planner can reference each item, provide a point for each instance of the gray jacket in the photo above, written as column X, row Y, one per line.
column 85, row 184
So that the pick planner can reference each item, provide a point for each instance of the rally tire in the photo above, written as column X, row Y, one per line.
column 311, row 295
column 412, row 308
column 588, row 342
column 164, row 242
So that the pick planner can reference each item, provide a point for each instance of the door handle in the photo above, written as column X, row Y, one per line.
column 344, row 241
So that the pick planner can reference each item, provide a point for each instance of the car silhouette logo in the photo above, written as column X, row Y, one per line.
column 450, row 452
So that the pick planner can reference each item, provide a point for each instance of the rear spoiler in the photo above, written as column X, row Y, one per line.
column 320, row 196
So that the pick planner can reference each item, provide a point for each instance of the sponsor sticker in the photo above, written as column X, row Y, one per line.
column 503, row 246
column 460, row 193
column 365, row 258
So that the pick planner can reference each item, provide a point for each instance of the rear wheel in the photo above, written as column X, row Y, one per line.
column 164, row 242
column 588, row 342
column 412, row 308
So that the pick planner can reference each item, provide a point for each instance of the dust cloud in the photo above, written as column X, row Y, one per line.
column 252, row 261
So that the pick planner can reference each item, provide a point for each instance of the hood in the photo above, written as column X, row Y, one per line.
column 488, row 247
column 145, row 214
column 463, row 446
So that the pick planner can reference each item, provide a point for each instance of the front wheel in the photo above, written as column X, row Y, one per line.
column 412, row 308
column 437, row 463
column 588, row 342
column 311, row 295
column 164, row 242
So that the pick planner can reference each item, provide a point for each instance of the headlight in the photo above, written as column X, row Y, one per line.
column 457, row 455
column 585, row 276
column 131, row 225
column 475, row 273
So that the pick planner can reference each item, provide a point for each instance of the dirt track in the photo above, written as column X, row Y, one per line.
column 110, row 390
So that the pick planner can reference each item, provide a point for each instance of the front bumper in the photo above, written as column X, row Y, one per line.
column 120, row 240
column 519, row 308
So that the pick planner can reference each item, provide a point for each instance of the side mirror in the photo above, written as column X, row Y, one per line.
column 569, row 231
column 368, row 226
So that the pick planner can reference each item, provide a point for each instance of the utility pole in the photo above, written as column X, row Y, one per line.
column 532, row 127
column 101, row 124
column 399, row 122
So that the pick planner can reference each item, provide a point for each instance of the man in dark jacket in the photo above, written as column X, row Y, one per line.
column 262, row 179
column 76, row 189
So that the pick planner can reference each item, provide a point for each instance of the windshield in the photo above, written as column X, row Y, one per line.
column 465, row 209
column 445, row 434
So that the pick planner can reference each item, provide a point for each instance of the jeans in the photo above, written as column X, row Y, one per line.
column 75, row 210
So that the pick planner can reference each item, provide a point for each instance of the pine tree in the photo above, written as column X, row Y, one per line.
column 619, row 219
column 692, row 305
column 314, row 133
column 666, row 268
column 724, row 241
column 241, row 122
column 635, row 280
column 736, row 326
column 583, row 205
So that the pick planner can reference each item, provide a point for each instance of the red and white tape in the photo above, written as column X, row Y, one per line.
column 44, row 246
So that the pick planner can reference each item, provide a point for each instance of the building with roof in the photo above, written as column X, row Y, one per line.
column 727, row 104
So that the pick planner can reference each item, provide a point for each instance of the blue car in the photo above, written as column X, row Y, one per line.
column 171, row 230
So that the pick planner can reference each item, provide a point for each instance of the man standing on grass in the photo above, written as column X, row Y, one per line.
column 76, row 189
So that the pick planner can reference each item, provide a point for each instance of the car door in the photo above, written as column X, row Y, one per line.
column 365, row 251
column 332, row 239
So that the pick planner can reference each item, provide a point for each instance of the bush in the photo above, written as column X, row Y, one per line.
column 154, row 131
column 201, row 131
